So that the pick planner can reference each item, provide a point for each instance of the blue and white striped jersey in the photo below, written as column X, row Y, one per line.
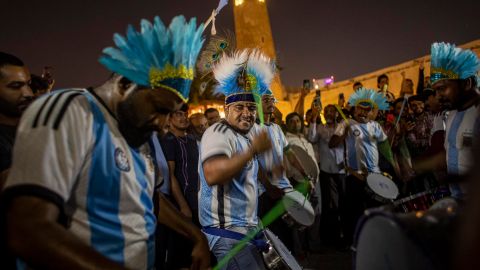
column 233, row 204
column 69, row 149
column 362, row 139
column 273, row 157
column 462, row 129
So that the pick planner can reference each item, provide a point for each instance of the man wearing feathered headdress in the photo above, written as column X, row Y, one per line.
column 87, row 162
column 453, row 75
column 363, row 137
column 229, row 189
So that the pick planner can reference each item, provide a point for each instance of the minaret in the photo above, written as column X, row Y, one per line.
column 252, row 30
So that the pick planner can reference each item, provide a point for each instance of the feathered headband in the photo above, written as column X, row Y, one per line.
column 158, row 56
column 450, row 62
column 369, row 98
column 244, row 75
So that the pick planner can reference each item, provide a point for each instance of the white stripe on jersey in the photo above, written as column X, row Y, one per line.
column 71, row 146
column 459, row 137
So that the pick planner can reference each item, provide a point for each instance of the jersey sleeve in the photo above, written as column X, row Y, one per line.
column 217, row 140
column 52, row 144
column 379, row 133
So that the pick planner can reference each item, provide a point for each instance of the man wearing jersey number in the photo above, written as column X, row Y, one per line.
column 80, row 191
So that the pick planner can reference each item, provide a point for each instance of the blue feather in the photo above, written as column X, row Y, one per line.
column 450, row 62
column 157, row 47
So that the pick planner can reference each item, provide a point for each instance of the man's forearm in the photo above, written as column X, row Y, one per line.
column 221, row 170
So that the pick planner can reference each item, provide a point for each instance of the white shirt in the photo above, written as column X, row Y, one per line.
column 301, row 141
column 330, row 158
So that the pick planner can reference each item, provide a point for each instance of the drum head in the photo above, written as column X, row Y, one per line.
column 310, row 166
column 282, row 250
column 299, row 208
column 382, row 186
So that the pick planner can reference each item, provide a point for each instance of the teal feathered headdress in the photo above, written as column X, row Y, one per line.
column 243, row 76
column 450, row 62
column 158, row 57
column 369, row 98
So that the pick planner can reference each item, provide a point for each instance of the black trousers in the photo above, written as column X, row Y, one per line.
column 332, row 225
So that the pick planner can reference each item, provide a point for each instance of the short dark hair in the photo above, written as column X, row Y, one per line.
column 397, row 101
column 357, row 83
column 37, row 83
column 9, row 59
column 427, row 92
column 416, row 98
column 379, row 78
column 210, row 110
column 292, row 115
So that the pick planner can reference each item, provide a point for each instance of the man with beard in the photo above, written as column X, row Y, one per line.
column 332, row 174
column 273, row 175
column 15, row 96
column 80, row 191
column 181, row 151
column 362, row 137
column 453, row 77
column 198, row 125
column 228, row 168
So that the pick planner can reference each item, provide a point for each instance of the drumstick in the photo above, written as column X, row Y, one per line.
column 342, row 114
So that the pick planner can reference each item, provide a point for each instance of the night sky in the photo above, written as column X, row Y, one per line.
column 314, row 38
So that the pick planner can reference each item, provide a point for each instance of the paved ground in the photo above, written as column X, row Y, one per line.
column 328, row 259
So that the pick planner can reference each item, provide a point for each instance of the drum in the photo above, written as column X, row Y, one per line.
column 381, row 188
column 278, row 257
column 421, row 201
column 299, row 212
column 416, row 240
column 309, row 164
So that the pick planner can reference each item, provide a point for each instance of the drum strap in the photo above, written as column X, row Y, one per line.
column 256, row 241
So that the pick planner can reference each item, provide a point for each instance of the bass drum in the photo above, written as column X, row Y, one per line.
column 396, row 241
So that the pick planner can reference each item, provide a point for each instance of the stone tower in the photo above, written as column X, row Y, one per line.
column 252, row 30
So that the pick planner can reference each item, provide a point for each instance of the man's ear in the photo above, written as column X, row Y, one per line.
column 123, row 86
column 225, row 110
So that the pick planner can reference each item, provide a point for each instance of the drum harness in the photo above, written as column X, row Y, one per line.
column 258, row 240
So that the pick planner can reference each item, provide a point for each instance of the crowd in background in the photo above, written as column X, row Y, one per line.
column 414, row 125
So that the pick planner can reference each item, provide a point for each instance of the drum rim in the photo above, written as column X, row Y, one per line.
column 383, row 177
column 298, row 200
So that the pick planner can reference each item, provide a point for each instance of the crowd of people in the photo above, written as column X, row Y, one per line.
column 121, row 176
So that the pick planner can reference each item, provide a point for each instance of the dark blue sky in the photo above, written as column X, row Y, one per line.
column 314, row 38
